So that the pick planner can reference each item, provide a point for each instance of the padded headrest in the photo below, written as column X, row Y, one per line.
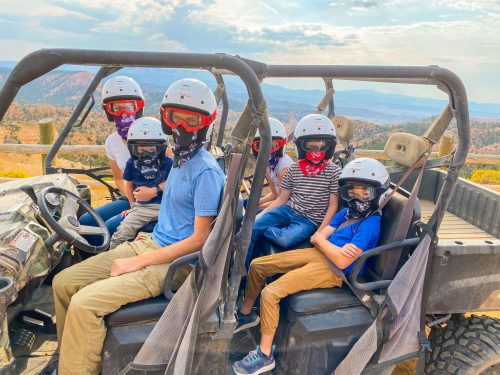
column 405, row 148
column 344, row 127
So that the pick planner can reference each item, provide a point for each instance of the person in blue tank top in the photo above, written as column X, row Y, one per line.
column 362, row 184
column 88, row 291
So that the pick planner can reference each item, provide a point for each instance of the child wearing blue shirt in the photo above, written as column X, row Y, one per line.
column 145, row 176
column 362, row 185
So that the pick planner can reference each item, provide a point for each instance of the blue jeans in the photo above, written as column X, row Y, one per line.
column 281, row 226
column 110, row 213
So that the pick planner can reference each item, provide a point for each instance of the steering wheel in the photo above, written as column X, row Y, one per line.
column 68, row 227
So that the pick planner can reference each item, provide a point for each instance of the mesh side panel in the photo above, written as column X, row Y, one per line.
column 405, row 293
column 162, row 341
column 173, row 338
column 360, row 353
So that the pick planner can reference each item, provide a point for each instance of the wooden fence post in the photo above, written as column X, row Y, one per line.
column 47, row 135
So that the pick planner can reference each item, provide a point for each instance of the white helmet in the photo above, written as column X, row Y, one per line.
column 369, row 172
column 146, row 129
column 278, row 130
column 146, row 137
column 191, row 94
column 315, row 126
column 121, row 88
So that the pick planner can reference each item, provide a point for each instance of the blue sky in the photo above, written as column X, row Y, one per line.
column 461, row 35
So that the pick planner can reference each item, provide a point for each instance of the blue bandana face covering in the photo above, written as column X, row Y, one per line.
column 149, row 165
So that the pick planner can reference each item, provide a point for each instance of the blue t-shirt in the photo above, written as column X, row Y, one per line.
column 193, row 189
column 364, row 234
column 133, row 175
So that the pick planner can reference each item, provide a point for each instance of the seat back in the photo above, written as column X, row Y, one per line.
column 391, row 216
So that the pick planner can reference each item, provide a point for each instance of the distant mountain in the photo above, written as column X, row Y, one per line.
column 64, row 86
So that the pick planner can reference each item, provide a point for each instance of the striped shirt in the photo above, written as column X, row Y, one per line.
column 310, row 195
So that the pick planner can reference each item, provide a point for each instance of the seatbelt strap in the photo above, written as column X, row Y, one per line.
column 404, row 224
column 232, row 173
column 365, row 298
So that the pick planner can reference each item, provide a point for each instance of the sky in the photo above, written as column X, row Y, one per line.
column 461, row 35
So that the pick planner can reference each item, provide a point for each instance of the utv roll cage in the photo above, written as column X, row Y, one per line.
column 254, row 115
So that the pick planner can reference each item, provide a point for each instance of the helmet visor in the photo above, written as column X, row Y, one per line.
column 189, row 120
column 275, row 145
column 123, row 107
column 320, row 145
column 357, row 190
column 146, row 150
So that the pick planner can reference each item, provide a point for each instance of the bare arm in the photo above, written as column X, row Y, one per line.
column 167, row 254
column 118, row 176
column 281, row 200
column 331, row 211
column 343, row 256
column 269, row 197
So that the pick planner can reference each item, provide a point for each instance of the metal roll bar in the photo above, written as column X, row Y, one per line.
column 43, row 61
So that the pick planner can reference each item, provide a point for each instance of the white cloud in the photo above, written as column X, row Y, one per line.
column 161, row 40
column 33, row 9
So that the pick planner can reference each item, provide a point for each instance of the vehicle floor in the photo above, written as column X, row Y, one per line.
column 453, row 227
column 43, row 356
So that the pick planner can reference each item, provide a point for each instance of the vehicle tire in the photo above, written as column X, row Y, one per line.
column 466, row 346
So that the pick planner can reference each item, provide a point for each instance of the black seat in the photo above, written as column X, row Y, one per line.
column 137, row 312
column 311, row 301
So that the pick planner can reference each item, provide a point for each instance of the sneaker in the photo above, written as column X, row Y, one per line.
column 255, row 363
column 246, row 321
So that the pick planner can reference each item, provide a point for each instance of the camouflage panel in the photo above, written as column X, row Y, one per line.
column 23, row 255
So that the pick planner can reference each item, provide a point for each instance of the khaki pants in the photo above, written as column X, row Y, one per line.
column 85, row 293
column 303, row 269
column 138, row 216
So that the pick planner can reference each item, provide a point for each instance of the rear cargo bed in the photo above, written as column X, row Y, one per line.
column 452, row 227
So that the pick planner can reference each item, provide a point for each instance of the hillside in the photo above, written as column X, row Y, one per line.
column 64, row 87
column 20, row 125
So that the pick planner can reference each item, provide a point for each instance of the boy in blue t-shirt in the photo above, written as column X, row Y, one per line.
column 145, row 176
column 362, row 185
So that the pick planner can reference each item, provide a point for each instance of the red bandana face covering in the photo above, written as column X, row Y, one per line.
column 309, row 168
column 315, row 156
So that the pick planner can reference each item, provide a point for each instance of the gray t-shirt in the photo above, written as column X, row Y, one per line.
column 310, row 195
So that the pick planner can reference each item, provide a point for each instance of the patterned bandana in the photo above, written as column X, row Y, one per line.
column 148, row 166
column 358, row 209
column 309, row 168
column 186, row 144
column 315, row 156
column 273, row 161
column 123, row 124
